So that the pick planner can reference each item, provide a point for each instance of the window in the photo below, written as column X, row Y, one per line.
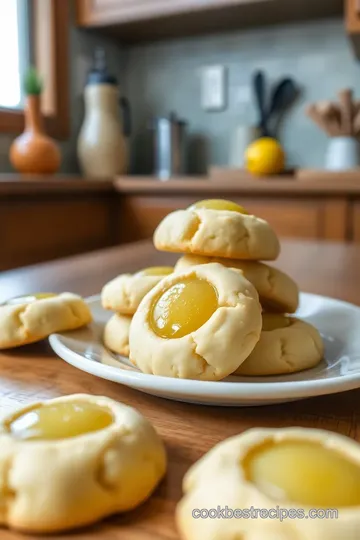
column 42, row 27
column 14, row 51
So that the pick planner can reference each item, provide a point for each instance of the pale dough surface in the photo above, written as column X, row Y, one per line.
column 116, row 334
column 81, row 479
column 21, row 324
column 277, row 291
column 218, row 347
column 124, row 293
column 285, row 350
column 217, row 233
column 219, row 479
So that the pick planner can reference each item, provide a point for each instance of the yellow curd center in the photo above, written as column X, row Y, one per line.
column 28, row 299
column 220, row 204
column 157, row 271
column 60, row 421
column 272, row 321
column 183, row 308
column 305, row 473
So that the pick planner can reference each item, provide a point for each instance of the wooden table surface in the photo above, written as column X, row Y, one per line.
column 189, row 431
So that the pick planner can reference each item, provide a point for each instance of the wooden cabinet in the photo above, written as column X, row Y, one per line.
column 355, row 220
column 44, row 221
column 110, row 12
column 352, row 11
column 322, row 218
column 136, row 20
column 352, row 19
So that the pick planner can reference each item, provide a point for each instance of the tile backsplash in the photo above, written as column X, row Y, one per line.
column 165, row 76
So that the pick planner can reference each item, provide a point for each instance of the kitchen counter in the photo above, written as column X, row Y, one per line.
column 13, row 185
column 230, row 182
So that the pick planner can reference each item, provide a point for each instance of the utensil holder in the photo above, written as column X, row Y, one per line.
column 343, row 153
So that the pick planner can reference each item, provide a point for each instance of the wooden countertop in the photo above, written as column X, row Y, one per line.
column 12, row 186
column 189, row 431
column 228, row 185
column 223, row 183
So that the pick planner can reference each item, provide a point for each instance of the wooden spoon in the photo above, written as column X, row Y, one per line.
column 331, row 114
column 346, row 108
column 318, row 118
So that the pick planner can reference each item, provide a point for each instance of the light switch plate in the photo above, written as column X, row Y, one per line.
column 213, row 88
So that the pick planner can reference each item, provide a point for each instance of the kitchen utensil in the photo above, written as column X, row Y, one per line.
column 283, row 96
column 343, row 154
column 259, row 84
column 330, row 113
column 169, row 146
column 318, row 118
column 356, row 123
column 102, row 144
column 346, row 108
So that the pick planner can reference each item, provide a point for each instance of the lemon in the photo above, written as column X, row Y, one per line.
column 265, row 156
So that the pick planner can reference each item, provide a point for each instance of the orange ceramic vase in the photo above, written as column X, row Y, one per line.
column 33, row 152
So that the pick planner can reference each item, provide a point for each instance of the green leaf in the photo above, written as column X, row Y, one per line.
column 33, row 84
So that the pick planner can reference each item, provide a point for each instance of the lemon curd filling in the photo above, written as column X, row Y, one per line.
column 60, row 421
column 183, row 308
column 28, row 299
column 272, row 321
column 304, row 472
column 156, row 271
column 219, row 204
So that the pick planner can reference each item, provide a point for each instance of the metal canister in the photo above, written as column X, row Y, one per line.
column 169, row 147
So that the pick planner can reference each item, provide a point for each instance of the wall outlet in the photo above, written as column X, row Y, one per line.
column 213, row 88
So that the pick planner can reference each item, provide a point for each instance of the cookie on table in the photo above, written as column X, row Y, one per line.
column 269, row 469
column 286, row 345
column 277, row 291
column 86, row 456
column 124, row 293
column 217, row 228
column 116, row 334
column 32, row 318
column 198, row 324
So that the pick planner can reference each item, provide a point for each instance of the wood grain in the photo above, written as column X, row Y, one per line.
column 40, row 231
column 49, row 219
column 33, row 373
column 355, row 220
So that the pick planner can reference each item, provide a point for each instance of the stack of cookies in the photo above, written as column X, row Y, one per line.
column 123, row 295
column 221, row 311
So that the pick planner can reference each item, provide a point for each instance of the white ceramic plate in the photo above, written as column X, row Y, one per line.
column 338, row 322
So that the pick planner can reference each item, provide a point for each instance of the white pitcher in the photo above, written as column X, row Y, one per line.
column 102, row 144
